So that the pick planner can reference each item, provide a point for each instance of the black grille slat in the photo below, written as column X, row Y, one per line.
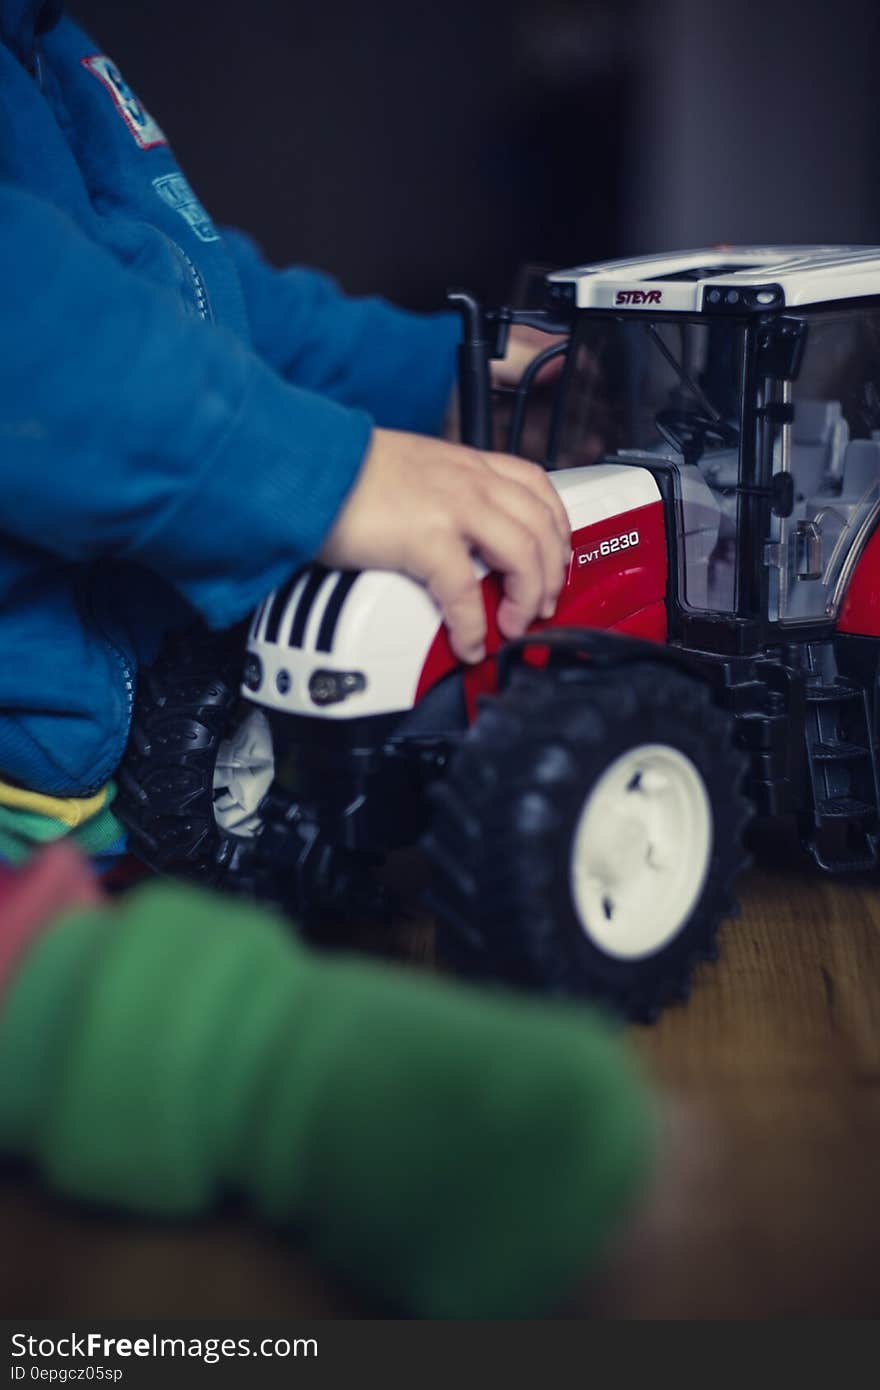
column 257, row 620
column 327, row 630
column 304, row 607
column 279, row 603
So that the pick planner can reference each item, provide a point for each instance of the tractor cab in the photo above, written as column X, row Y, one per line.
column 748, row 382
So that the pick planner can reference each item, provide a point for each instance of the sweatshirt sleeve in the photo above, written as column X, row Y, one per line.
column 458, row 1154
column 364, row 352
column 129, row 430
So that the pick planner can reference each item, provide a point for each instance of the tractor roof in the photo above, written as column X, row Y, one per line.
column 724, row 279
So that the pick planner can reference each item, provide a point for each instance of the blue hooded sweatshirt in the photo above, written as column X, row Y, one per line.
column 179, row 422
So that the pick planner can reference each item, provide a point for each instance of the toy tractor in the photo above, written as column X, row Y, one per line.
column 581, row 794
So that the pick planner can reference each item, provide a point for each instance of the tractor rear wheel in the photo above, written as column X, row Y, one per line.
column 588, row 836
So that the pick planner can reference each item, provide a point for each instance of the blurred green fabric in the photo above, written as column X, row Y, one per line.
column 457, row 1152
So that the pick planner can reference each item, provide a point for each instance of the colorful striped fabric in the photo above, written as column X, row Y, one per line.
column 29, row 820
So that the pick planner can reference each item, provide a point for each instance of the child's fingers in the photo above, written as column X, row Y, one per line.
column 425, row 507
column 515, row 552
column 453, row 583
column 529, row 510
column 535, row 478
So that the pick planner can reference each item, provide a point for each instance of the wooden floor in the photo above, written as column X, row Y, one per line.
column 767, row 1205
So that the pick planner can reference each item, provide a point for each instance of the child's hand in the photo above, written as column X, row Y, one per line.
column 426, row 507
column 524, row 344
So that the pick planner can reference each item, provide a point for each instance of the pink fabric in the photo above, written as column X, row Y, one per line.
column 57, row 879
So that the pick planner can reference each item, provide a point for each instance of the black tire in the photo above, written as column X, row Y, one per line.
column 187, row 702
column 505, row 819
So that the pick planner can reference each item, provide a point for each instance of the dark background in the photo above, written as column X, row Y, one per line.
column 405, row 147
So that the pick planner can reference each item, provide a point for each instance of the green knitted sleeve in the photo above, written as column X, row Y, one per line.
column 460, row 1153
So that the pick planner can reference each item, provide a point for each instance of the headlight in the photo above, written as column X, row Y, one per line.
column 329, row 687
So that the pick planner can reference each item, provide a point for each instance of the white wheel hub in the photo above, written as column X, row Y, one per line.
column 243, row 774
column 641, row 850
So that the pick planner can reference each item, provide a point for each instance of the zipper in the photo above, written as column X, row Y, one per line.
column 129, row 686
column 128, row 674
column 203, row 304
column 197, row 283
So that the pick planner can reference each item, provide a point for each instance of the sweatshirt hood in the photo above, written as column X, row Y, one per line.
column 21, row 21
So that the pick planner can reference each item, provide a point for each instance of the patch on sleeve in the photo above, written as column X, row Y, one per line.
column 140, row 123
column 174, row 190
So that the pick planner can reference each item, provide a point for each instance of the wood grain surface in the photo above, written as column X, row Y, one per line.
column 766, row 1205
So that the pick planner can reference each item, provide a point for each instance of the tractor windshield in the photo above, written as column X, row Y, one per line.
column 667, row 388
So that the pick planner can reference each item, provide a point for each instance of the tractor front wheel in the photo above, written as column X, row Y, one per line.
column 198, row 764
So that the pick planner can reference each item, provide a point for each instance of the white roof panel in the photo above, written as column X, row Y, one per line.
column 798, row 275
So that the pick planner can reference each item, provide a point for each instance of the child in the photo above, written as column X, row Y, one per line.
column 181, row 427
